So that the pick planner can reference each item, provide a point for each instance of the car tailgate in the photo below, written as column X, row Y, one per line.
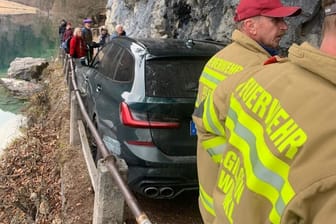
column 170, row 125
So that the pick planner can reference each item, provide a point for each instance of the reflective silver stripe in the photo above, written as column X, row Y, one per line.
column 260, row 171
column 218, row 150
column 208, row 117
column 208, row 203
column 198, row 112
column 210, row 78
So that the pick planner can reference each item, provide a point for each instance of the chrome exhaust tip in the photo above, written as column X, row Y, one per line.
column 152, row 192
column 167, row 192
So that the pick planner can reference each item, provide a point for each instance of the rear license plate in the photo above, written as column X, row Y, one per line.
column 193, row 130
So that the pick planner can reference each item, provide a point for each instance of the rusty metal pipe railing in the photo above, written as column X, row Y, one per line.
column 110, row 163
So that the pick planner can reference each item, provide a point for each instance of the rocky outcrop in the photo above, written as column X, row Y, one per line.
column 27, row 68
column 21, row 88
column 206, row 19
column 23, row 76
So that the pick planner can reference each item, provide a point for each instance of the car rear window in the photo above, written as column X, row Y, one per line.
column 173, row 77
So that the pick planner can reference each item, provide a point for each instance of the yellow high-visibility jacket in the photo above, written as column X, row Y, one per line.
column 279, row 166
column 242, row 53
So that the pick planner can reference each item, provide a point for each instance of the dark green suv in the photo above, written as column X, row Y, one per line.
column 140, row 93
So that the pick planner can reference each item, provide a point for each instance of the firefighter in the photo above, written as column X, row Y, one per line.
column 260, row 26
column 279, row 121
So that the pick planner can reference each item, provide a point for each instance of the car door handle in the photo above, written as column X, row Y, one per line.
column 98, row 88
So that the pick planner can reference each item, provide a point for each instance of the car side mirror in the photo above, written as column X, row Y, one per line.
column 83, row 61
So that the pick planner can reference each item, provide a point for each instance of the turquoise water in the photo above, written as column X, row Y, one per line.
column 38, row 39
column 10, row 125
column 7, row 101
column 10, row 118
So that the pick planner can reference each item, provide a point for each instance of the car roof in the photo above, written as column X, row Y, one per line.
column 159, row 47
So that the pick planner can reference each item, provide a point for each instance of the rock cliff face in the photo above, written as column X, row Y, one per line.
column 198, row 19
column 76, row 10
column 202, row 19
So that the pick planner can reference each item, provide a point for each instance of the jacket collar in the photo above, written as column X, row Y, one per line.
column 247, row 42
column 314, row 60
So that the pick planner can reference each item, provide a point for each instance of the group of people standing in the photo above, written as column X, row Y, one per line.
column 79, row 42
column 265, row 124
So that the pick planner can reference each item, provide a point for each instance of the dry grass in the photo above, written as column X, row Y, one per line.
column 43, row 179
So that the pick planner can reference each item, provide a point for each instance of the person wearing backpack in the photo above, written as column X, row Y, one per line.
column 66, row 38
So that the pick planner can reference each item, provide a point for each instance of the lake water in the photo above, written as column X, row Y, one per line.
column 21, row 36
column 7, row 101
column 10, row 118
column 10, row 125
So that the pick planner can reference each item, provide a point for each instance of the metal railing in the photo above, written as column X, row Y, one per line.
column 109, row 159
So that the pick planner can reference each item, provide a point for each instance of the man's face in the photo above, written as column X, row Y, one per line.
column 119, row 29
column 87, row 25
column 268, row 31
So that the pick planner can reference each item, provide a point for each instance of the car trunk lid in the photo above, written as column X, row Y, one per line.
column 169, row 124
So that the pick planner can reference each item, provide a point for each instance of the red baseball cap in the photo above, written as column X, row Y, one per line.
column 271, row 8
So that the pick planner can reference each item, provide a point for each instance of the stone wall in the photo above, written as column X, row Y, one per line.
column 202, row 19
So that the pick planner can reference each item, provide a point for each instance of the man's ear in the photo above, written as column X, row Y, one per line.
column 250, row 26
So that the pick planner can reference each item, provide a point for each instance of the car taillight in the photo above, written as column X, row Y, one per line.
column 128, row 119
column 141, row 143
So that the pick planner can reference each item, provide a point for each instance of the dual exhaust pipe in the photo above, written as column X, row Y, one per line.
column 159, row 192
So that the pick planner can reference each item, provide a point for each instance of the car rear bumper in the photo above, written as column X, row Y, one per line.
column 151, row 154
column 155, row 174
column 163, row 176
column 162, row 182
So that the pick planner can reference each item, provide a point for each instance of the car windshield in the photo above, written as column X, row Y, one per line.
column 173, row 77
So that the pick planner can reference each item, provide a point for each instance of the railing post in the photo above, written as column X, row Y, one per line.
column 90, row 164
column 74, row 117
column 69, row 73
column 65, row 63
column 109, row 201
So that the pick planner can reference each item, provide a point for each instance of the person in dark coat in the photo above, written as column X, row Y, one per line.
column 68, row 32
column 88, row 37
column 119, row 31
column 104, row 35
column 61, row 29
